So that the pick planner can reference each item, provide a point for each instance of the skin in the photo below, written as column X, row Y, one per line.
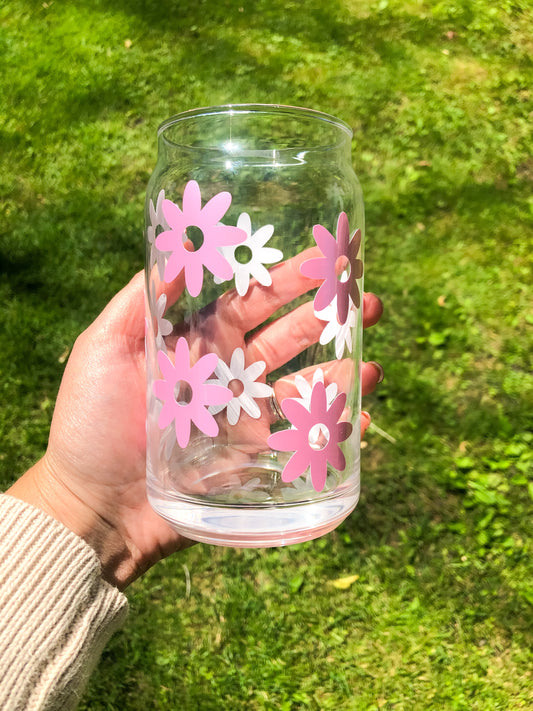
column 92, row 476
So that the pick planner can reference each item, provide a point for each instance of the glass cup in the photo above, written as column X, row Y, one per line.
column 254, row 249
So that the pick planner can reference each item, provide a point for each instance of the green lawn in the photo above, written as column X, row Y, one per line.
column 436, row 613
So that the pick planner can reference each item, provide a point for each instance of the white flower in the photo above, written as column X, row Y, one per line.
column 341, row 332
column 305, row 389
column 248, row 258
column 164, row 326
column 241, row 381
column 157, row 224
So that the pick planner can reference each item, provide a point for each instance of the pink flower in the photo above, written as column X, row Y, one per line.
column 339, row 268
column 315, row 438
column 185, row 393
column 210, row 236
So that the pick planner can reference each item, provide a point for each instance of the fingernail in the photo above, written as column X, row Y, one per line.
column 381, row 372
column 366, row 415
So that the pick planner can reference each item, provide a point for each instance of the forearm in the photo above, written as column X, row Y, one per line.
column 56, row 611
column 40, row 487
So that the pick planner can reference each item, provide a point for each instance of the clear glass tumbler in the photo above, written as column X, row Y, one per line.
column 254, row 265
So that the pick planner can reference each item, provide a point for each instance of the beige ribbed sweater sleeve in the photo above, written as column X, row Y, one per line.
column 56, row 611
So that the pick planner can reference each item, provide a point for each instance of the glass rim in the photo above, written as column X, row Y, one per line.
column 254, row 108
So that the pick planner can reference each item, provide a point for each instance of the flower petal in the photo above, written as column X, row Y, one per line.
column 326, row 241
column 173, row 215
column 182, row 425
column 204, row 367
column 215, row 209
column 261, row 236
column 257, row 390
column 242, row 280
column 344, row 430
column 234, row 411
column 216, row 263
column 237, row 362
column 296, row 413
column 285, row 440
column 296, row 465
column 192, row 201
column 174, row 266
column 182, row 355
column 269, row 255
column 319, row 471
column 245, row 223
column 205, row 421
column 262, row 275
column 194, row 276
column 314, row 268
column 254, row 370
column 168, row 240
column 209, row 394
column 343, row 234
column 167, row 413
column 325, row 294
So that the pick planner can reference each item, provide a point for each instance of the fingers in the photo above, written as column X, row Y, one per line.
column 372, row 309
column 173, row 289
column 261, row 302
column 371, row 376
column 280, row 341
column 124, row 314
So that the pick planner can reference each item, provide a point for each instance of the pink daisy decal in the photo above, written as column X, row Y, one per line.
column 315, row 436
column 339, row 267
column 206, row 234
column 185, row 394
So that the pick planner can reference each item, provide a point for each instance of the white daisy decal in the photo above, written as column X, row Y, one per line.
column 248, row 258
column 157, row 224
column 242, row 383
column 341, row 332
column 305, row 389
column 164, row 326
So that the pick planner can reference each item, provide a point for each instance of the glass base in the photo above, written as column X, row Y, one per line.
column 253, row 525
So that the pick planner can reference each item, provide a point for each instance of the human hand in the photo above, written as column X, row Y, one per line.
column 258, row 335
column 92, row 476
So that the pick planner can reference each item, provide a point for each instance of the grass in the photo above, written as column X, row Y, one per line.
column 436, row 609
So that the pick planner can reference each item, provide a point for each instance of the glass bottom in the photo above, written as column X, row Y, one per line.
column 253, row 525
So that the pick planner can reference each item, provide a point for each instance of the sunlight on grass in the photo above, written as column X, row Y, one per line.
column 437, row 614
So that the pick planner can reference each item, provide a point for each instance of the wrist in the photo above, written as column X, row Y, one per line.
column 40, row 487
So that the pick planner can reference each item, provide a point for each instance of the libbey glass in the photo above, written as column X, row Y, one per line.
column 254, row 265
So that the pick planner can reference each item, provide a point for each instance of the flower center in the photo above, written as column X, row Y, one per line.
column 243, row 254
column 318, row 436
column 236, row 386
column 195, row 238
column 343, row 268
column 183, row 392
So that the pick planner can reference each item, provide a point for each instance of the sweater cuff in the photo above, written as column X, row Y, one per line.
column 56, row 610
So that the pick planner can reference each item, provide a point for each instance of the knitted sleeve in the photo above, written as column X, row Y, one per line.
column 56, row 611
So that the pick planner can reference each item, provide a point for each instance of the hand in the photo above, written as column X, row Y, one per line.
column 231, row 322
column 92, row 476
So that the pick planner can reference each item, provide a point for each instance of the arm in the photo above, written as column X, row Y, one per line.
column 56, row 611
